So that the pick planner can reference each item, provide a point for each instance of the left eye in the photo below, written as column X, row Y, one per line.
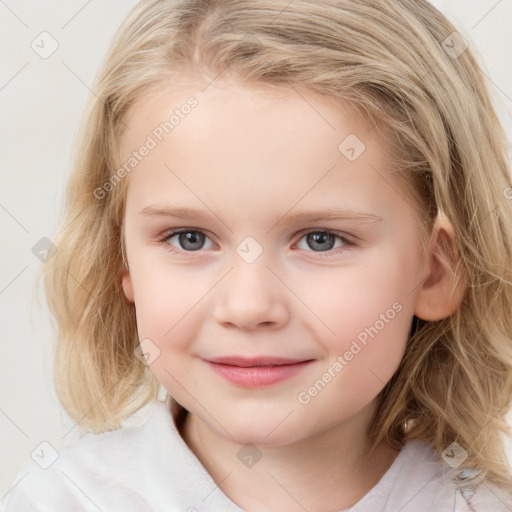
column 191, row 240
column 324, row 240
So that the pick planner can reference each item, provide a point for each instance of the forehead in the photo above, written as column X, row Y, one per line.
column 254, row 113
column 243, row 146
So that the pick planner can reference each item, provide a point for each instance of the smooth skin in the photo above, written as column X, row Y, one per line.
column 250, row 159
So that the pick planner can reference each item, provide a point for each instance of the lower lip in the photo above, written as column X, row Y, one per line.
column 257, row 376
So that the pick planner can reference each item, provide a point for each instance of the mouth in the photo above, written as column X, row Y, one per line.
column 256, row 372
column 245, row 362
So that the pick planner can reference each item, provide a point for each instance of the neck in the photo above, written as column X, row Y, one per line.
column 331, row 470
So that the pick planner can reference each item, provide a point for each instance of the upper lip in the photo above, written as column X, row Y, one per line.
column 255, row 361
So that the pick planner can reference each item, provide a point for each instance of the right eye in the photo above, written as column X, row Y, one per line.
column 189, row 240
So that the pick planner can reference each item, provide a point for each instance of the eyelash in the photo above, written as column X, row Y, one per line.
column 331, row 252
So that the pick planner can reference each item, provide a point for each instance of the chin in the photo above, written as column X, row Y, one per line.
column 261, row 438
column 261, row 429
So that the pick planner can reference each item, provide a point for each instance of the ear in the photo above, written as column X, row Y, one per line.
column 126, row 280
column 443, row 287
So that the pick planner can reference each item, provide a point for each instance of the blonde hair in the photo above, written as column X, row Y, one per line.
column 387, row 61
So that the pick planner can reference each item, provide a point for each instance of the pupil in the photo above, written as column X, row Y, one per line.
column 320, row 239
column 188, row 238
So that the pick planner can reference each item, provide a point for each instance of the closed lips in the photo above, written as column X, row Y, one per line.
column 251, row 362
column 256, row 372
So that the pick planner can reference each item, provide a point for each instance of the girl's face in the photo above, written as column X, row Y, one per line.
column 297, row 245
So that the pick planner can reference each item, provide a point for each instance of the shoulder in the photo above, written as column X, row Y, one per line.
column 142, row 467
column 484, row 497
column 422, row 467
column 418, row 481
column 87, row 473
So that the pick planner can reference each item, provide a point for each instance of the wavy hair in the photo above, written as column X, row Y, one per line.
column 392, row 62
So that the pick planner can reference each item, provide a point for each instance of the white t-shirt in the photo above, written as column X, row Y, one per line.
column 147, row 467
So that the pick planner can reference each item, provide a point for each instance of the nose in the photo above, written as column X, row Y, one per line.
column 251, row 297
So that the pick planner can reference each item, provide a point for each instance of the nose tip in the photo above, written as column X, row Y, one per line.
column 250, row 300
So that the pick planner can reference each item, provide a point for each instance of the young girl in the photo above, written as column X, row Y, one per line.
column 284, row 278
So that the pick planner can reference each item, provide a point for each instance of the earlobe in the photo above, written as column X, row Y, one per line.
column 443, row 287
column 126, row 281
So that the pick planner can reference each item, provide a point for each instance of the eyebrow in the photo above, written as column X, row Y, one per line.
column 296, row 218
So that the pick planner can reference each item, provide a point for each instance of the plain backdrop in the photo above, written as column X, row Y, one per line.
column 41, row 102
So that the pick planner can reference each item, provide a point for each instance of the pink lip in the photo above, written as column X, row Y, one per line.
column 256, row 372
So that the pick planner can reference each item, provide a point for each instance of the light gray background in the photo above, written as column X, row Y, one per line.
column 41, row 101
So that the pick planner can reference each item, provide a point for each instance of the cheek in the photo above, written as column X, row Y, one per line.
column 165, row 300
column 371, row 320
column 361, row 301
column 168, row 301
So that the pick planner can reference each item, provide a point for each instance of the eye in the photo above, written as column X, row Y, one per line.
column 189, row 240
column 325, row 241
